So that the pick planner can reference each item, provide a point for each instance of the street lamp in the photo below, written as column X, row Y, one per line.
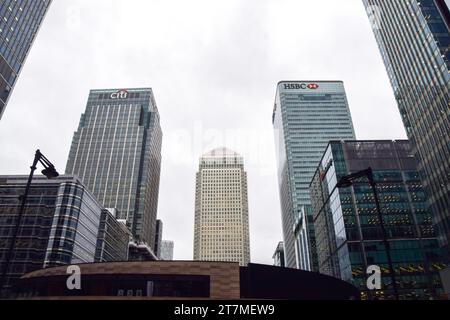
column 51, row 173
column 346, row 182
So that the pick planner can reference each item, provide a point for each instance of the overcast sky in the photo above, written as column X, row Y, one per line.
column 213, row 66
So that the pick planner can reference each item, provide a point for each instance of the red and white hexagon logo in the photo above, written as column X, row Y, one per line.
column 313, row 86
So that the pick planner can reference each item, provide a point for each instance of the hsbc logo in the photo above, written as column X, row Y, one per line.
column 301, row 86
column 313, row 86
column 121, row 94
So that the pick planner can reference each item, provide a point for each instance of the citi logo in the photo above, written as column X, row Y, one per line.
column 121, row 94
column 302, row 86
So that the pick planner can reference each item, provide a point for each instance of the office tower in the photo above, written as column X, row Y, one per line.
column 221, row 209
column 113, row 238
column 278, row 256
column 349, row 234
column 306, row 117
column 414, row 40
column 167, row 250
column 61, row 225
column 116, row 152
column 158, row 238
column 19, row 24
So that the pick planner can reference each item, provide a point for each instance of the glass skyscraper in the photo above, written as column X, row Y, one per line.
column 20, row 21
column 414, row 40
column 306, row 117
column 349, row 236
column 116, row 152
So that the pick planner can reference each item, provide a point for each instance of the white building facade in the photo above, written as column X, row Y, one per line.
column 221, row 209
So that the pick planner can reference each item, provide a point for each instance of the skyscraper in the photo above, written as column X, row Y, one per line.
column 307, row 115
column 116, row 152
column 167, row 250
column 414, row 40
column 221, row 209
column 19, row 24
column 349, row 233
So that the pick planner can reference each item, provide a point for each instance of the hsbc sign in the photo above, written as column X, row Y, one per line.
column 121, row 94
column 301, row 86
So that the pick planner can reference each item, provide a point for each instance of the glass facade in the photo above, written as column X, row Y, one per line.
column 414, row 40
column 349, row 237
column 167, row 250
column 278, row 256
column 306, row 117
column 19, row 24
column 116, row 152
column 113, row 239
column 60, row 226
column 73, row 237
column 31, row 243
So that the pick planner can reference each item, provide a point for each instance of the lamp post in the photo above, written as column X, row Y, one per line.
column 51, row 173
column 346, row 182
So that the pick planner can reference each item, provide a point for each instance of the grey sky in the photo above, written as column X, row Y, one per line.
column 213, row 66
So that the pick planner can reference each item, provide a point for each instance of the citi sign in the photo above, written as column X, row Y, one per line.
column 121, row 94
column 301, row 86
